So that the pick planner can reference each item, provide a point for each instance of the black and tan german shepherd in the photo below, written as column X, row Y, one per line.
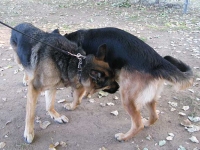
column 139, row 69
column 48, row 68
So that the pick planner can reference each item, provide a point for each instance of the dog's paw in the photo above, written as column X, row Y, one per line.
column 69, row 106
column 61, row 119
column 119, row 137
column 28, row 137
column 25, row 82
column 145, row 122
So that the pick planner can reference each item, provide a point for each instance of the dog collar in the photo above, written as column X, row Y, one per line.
column 80, row 66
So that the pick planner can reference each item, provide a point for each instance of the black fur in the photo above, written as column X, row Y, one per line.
column 31, row 52
column 125, row 50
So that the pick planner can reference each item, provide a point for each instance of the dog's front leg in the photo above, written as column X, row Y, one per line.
column 50, row 100
column 78, row 94
column 30, row 112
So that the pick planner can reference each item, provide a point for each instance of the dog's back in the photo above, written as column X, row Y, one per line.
column 22, row 44
column 126, row 51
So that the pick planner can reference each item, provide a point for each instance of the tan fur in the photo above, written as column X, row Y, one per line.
column 138, row 90
column 46, row 77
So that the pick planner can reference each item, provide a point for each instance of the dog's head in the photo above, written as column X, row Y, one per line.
column 96, row 73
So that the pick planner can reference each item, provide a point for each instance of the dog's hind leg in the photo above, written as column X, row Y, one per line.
column 50, row 100
column 25, row 79
column 17, row 60
column 30, row 112
column 78, row 94
column 136, row 122
column 153, row 114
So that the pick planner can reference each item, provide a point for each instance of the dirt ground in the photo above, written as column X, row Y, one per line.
column 91, row 126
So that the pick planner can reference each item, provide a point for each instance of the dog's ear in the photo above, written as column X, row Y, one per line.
column 96, row 75
column 66, row 34
column 101, row 53
column 56, row 31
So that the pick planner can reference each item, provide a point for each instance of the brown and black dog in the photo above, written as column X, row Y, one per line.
column 48, row 68
column 139, row 69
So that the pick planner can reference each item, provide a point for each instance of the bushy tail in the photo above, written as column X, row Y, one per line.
column 181, row 75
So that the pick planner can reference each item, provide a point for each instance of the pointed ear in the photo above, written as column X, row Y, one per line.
column 95, row 74
column 101, row 53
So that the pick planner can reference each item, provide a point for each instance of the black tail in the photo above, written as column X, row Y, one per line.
column 182, row 75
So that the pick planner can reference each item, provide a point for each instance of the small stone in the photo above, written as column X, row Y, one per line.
column 194, row 139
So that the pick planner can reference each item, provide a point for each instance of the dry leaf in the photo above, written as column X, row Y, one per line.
column 174, row 104
column 115, row 113
column 161, row 143
column 194, row 119
column 193, row 128
column 172, row 109
column 61, row 101
column 115, row 98
column 51, row 147
column 186, row 123
column 194, row 139
column 103, row 94
column 149, row 137
column 44, row 124
column 102, row 104
column 185, row 108
column 91, row 100
column 191, row 90
column 110, row 104
column 181, row 148
column 182, row 114
column 103, row 148
column 63, row 144
column 2, row 144
column 169, row 138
